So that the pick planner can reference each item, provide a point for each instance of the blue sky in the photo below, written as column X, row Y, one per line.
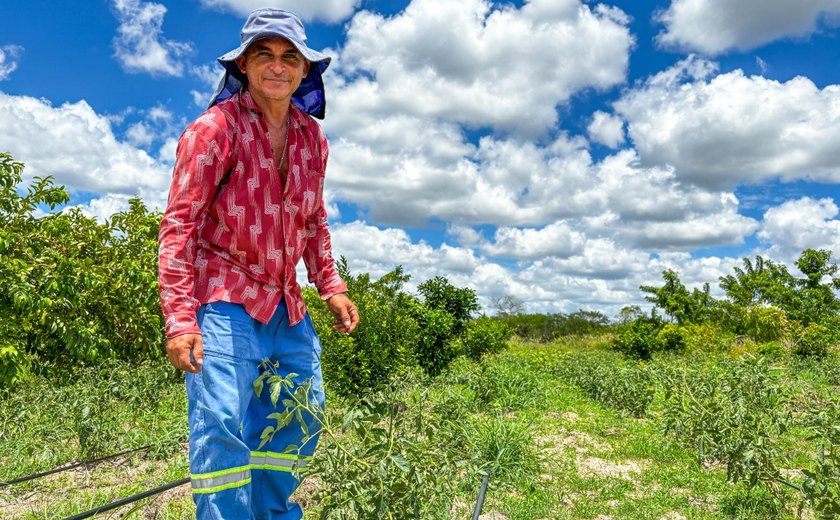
column 560, row 151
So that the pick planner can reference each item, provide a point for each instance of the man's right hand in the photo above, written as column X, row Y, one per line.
column 178, row 349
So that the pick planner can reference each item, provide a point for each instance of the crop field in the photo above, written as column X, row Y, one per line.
column 566, row 430
column 701, row 407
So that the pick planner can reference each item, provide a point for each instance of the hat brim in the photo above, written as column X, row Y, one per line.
column 309, row 97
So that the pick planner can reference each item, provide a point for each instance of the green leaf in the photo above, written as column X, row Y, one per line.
column 275, row 393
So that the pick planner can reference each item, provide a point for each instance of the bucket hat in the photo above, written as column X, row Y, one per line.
column 276, row 23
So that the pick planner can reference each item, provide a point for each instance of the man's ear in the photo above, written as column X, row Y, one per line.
column 240, row 62
column 306, row 65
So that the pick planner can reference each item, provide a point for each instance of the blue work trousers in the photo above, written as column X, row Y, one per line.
column 232, row 478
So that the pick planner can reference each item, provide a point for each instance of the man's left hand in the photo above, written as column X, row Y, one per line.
column 345, row 312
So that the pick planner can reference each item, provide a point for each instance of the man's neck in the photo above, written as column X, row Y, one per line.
column 275, row 110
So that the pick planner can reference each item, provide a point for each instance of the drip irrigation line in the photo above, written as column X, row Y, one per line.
column 70, row 466
column 128, row 500
column 480, row 503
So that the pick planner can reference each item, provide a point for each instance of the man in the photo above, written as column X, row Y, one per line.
column 245, row 204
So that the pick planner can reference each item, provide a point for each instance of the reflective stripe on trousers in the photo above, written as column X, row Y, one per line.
column 221, row 480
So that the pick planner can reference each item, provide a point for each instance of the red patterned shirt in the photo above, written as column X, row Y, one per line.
column 230, row 231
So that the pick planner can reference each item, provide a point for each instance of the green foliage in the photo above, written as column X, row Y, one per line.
column 83, row 412
column 707, row 337
column 814, row 341
column 398, row 331
column 608, row 379
column 733, row 413
column 384, row 343
column 70, row 287
column 680, row 304
column 583, row 322
column 771, row 350
column 484, row 336
column 536, row 327
column 762, row 282
column 765, row 323
column 505, row 384
column 503, row 447
column 458, row 303
column 548, row 327
column 641, row 338
column 434, row 349
column 378, row 458
column 821, row 488
column 671, row 338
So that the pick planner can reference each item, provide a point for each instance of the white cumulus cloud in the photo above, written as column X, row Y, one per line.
column 716, row 26
column 724, row 130
column 140, row 46
column 331, row 11
column 606, row 129
column 83, row 152
column 481, row 64
column 799, row 224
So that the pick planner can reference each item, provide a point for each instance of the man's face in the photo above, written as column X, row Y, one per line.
column 274, row 67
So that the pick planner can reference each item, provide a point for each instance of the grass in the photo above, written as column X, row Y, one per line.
column 534, row 415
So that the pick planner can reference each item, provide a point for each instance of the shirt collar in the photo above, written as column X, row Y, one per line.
column 247, row 101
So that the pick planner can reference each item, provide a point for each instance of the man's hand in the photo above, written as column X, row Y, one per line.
column 346, row 314
column 179, row 348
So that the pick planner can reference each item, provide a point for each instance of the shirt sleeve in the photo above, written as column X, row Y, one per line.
column 201, row 161
column 320, row 264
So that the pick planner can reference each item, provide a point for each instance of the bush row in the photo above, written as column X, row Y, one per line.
column 400, row 331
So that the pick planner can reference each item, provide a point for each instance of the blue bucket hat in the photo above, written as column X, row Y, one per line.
column 276, row 23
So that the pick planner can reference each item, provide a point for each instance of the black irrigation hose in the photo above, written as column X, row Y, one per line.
column 71, row 466
column 480, row 503
column 128, row 500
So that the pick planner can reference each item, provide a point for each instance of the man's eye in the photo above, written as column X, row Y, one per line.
column 291, row 57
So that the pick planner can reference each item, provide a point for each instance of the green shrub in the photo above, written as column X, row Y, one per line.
column 707, row 337
column 640, row 339
column 733, row 413
column 384, row 344
column 378, row 457
column 765, row 324
column 71, row 288
column 484, row 336
column 434, row 349
column 814, row 341
column 458, row 303
column 672, row 338
column 772, row 350
column 821, row 488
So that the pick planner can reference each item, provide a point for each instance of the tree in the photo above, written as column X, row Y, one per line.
column 678, row 302
column 629, row 313
column 507, row 306
column 807, row 300
column 760, row 282
column 460, row 303
column 584, row 322
column 71, row 288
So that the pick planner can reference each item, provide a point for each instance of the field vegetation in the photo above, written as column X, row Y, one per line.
column 700, row 408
